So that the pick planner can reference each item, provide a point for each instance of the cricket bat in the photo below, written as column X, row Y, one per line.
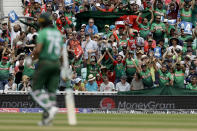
column 70, row 104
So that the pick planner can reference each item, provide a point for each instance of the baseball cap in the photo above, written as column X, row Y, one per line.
column 77, row 80
column 112, row 27
column 5, row 58
column 106, row 26
column 124, row 77
column 83, row 25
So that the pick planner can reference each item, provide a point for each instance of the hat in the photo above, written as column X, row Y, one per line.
column 103, row 67
column 174, row 38
column 188, row 56
column 106, row 26
column 112, row 27
column 5, row 58
column 74, row 32
column 150, row 40
column 135, row 31
column 143, row 56
column 97, row 36
column 91, row 77
column 83, row 25
column 124, row 77
column 2, row 40
column 77, row 80
column 140, row 52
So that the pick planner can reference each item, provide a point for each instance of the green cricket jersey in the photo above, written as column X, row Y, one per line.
column 158, row 33
column 191, row 87
column 179, row 79
column 92, row 69
column 51, row 40
column 147, row 78
column 164, row 78
column 4, row 71
column 186, row 15
column 145, row 29
column 130, row 68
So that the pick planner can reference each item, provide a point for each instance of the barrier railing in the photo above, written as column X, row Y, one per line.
column 64, row 92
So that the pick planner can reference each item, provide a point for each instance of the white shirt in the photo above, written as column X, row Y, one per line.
column 108, row 87
column 178, row 46
column 121, row 87
column 8, row 88
column 14, row 35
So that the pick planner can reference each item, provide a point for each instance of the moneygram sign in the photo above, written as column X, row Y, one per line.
column 109, row 103
column 149, row 105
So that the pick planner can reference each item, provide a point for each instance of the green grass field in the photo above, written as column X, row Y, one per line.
column 101, row 122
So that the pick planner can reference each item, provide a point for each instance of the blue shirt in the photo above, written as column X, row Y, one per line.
column 92, row 87
column 94, row 28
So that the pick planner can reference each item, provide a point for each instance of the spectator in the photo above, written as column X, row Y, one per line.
column 137, row 83
column 4, row 72
column 106, row 85
column 89, row 46
column 193, row 84
column 91, row 28
column 91, row 85
column 10, row 86
column 123, row 85
column 79, row 86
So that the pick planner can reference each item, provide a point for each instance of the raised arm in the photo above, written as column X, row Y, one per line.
column 98, row 8
column 110, row 56
column 152, row 16
column 137, row 68
column 137, row 20
column 9, row 25
column 101, row 58
column 116, row 5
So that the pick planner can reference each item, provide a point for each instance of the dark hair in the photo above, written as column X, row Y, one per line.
column 21, row 68
column 138, row 75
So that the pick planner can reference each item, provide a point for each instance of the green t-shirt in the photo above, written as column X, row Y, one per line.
column 51, row 40
column 186, row 15
column 92, row 69
column 164, row 78
column 78, row 66
column 147, row 78
column 69, row 15
column 191, row 87
column 144, row 30
column 119, row 69
column 179, row 79
column 158, row 33
column 4, row 71
column 28, row 71
column 161, row 12
column 130, row 68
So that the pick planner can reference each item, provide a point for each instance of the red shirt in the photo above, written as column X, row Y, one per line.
column 104, row 10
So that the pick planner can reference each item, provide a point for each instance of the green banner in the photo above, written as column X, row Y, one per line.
column 167, row 91
column 103, row 18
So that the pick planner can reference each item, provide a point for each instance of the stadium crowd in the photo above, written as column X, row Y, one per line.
column 160, row 52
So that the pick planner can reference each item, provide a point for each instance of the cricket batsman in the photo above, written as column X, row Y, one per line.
column 46, row 78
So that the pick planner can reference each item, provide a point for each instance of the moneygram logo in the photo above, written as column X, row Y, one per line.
column 107, row 103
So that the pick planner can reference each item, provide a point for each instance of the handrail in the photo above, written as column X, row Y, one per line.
column 64, row 92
